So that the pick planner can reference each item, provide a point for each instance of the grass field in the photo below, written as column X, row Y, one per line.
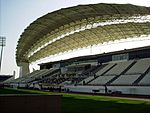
column 77, row 103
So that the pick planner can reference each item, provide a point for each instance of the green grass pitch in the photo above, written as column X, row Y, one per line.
column 78, row 103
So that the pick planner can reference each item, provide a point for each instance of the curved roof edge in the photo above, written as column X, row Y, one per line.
column 54, row 20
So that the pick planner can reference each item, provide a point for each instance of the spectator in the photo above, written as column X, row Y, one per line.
column 106, row 89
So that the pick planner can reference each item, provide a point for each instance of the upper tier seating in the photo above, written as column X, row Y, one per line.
column 139, row 67
column 104, row 69
column 77, row 68
column 119, row 68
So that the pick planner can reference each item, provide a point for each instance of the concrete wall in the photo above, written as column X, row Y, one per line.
column 140, row 90
column 30, row 104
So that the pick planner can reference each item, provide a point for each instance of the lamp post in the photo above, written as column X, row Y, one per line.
column 2, row 44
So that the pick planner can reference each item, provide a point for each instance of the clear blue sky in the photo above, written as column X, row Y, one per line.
column 16, row 15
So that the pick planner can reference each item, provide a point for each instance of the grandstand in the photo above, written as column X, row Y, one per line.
column 74, row 28
column 130, row 76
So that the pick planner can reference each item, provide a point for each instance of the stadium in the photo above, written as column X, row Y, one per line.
column 70, row 32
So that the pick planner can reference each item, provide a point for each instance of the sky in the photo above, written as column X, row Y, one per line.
column 16, row 15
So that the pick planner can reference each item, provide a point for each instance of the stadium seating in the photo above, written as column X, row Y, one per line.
column 119, row 68
column 101, row 80
column 139, row 67
column 34, row 76
column 54, row 79
column 145, row 80
column 76, row 68
column 86, row 80
column 125, row 79
column 132, row 72
column 105, row 69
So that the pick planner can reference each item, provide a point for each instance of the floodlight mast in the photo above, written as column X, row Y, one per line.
column 2, row 44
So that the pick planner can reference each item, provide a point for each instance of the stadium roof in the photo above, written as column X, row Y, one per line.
column 81, row 26
column 93, row 57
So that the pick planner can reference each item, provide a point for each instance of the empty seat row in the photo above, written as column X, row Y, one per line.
column 119, row 68
column 101, row 80
column 145, row 80
column 139, row 67
column 126, row 79
column 104, row 69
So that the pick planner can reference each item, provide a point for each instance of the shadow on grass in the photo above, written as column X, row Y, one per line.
column 74, row 105
column 13, row 91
